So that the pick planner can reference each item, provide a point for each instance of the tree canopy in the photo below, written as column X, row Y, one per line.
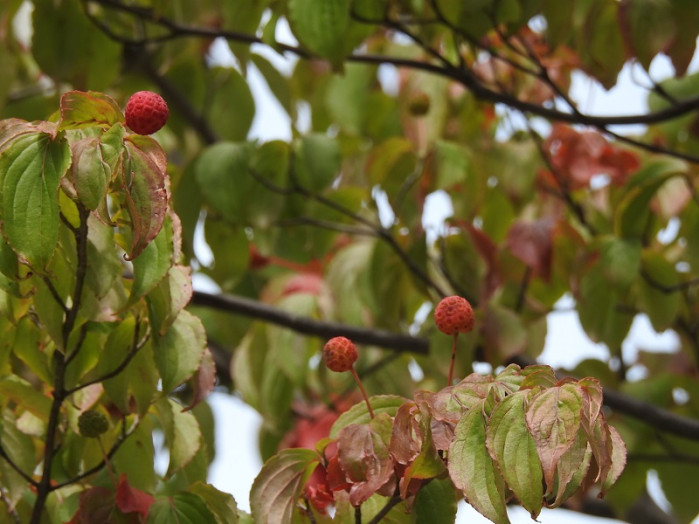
column 391, row 104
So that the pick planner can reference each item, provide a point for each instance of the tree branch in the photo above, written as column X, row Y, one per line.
column 307, row 326
column 650, row 414
column 444, row 68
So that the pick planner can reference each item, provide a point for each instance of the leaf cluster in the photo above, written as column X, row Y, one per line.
column 520, row 434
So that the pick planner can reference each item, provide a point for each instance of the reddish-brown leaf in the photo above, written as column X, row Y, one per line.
column 532, row 243
column 364, row 457
column 132, row 500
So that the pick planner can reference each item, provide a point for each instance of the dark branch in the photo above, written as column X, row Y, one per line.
column 650, row 414
column 307, row 326
column 443, row 68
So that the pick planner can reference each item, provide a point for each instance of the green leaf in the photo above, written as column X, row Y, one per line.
column 183, row 508
column 151, row 266
column 232, row 107
column 472, row 469
column 70, row 49
column 515, row 452
column 572, row 469
column 435, row 503
column 30, row 172
column 553, row 419
column 222, row 174
column 358, row 414
column 20, row 447
column 317, row 161
column 27, row 347
column 169, row 297
column 144, row 186
column 279, row 484
column 221, row 504
column 178, row 353
column 657, row 294
column 132, row 389
column 633, row 212
column 321, row 25
column 278, row 83
column 651, row 28
column 80, row 109
column 601, row 44
column 599, row 312
column 89, row 172
column 135, row 452
column 25, row 396
column 182, row 433
column 620, row 261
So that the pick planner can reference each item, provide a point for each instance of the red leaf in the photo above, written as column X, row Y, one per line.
column 578, row 156
column 132, row 500
column 532, row 243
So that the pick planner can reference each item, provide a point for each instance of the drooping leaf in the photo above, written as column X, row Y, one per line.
column 472, row 470
column 514, row 451
column 30, row 173
column 279, row 484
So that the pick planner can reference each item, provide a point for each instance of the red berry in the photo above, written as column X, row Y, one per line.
column 146, row 112
column 339, row 354
column 454, row 315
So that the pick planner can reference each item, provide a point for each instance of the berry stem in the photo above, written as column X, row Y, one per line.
column 361, row 388
column 107, row 464
column 450, row 377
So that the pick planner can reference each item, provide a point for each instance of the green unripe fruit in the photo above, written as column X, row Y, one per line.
column 92, row 424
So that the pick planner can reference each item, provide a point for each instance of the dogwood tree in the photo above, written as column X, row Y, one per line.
column 390, row 105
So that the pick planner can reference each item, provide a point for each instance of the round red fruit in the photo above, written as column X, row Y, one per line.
column 146, row 112
column 339, row 354
column 454, row 315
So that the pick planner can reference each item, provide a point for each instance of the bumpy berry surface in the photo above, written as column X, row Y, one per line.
column 146, row 112
column 454, row 315
column 339, row 354
column 92, row 424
